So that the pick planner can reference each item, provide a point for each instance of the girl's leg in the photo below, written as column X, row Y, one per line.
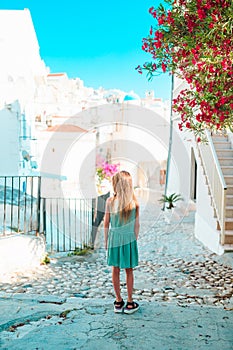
column 129, row 283
column 116, row 282
column 131, row 305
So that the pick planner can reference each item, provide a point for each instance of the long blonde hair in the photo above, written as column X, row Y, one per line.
column 123, row 191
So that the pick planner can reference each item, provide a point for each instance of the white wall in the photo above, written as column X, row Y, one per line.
column 180, row 169
column 137, row 135
column 9, row 140
column 141, row 143
column 139, row 149
column 205, row 223
column 20, row 63
column 64, row 155
column 20, row 253
column 230, row 137
column 18, row 45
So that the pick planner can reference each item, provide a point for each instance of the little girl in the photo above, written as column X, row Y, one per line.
column 122, row 213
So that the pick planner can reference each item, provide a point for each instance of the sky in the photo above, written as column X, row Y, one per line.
column 96, row 41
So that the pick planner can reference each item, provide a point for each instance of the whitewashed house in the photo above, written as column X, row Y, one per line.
column 128, row 133
column 204, row 174
column 20, row 64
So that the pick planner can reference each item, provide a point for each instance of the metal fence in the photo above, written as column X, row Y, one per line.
column 19, row 204
column 67, row 223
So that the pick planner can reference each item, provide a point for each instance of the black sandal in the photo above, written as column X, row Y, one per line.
column 131, row 307
column 119, row 306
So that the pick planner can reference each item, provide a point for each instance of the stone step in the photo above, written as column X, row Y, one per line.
column 228, row 237
column 222, row 144
column 229, row 211
column 227, row 169
column 219, row 138
column 229, row 190
column 225, row 161
column 228, row 224
column 228, row 247
column 228, row 179
column 229, row 199
column 225, row 153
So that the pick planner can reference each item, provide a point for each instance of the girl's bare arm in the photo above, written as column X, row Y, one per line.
column 137, row 224
column 106, row 223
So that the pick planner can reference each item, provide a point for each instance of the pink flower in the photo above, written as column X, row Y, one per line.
column 170, row 19
column 154, row 67
column 201, row 14
column 152, row 11
column 201, row 56
column 164, row 67
column 109, row 169
column 161, row 20
column 224, row 64
column 158, row 44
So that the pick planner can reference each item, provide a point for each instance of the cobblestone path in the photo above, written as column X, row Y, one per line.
column 174, row 266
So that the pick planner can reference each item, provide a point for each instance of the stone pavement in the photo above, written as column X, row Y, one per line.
column 48, row 323
column 184, row 290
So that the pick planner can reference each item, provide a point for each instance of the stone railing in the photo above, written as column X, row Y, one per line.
column 215, row 179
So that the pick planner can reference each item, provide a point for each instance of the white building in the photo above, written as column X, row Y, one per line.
column 30, row 96
column 130, row 134
column 204, row 174
column 20, row 64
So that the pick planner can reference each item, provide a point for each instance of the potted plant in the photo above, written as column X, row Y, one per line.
column 170, row 200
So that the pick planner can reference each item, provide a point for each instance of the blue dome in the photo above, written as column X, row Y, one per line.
column 129, row 98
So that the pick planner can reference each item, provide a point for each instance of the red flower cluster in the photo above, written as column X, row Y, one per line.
column 193, row 40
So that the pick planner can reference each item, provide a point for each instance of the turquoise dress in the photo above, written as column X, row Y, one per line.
column 122, row 243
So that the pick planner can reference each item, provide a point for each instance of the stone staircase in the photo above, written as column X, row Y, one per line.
column 224, row 153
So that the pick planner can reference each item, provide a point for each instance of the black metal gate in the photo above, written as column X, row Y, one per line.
column 67, row 223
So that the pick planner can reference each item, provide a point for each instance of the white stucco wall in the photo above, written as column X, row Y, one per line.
column 180, row 170
column 142, row 142
column 20, row 253
column 205, row 223
column 183, row 142
column 138, row 135
column 19, row 45
column 230, row 137
column 179, row 180
column 20, row 64
column 63, row 155
column 9, row 140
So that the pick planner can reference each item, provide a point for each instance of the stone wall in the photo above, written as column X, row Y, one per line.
column 20, row 252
